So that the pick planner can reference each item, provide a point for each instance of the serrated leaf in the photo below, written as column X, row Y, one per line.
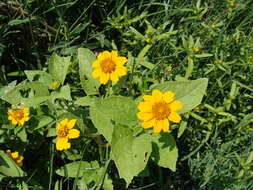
column 130, row 153
column 190, row 92
column 164, row 150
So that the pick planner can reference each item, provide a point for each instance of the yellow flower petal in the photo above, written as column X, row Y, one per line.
column 158, row 126
column 114, row 77
column 174, row 117
column 165, row 125
column 19, row 159
column 62, row 144
column 121, row 71
column 62, row 124
column 144, row 107
column 104, row 77
column 144, row 115
column 148, row 98
column 114, row 54
column 14, row 155
column 176, row 105
column 148, row 124
column 120, row 60
column 168, row 96
column 71, row 123
column 157, row 95
column 14, row 122
column 95, row 63
column 73, row 133
column 106, row 55
column 96, row 73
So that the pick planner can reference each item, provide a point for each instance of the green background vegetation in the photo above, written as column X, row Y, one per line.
column 214, row 140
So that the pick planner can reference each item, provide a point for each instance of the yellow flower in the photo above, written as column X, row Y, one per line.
column 64, row 132
column 169, row 68
column 15, row 157
column 18, row 116
column 149, row 31
column 218, row 61
column 54, row 84
column 158, row 28
column 109, row 66
column 158, row 109
column 249, row 62
column 212, row 26
column 148, row 40
column 195, row 49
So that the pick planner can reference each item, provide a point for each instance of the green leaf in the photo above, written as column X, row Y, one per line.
column 130, row 153
column 40, row 76
column 246, row 120
column 63, row 94
column 8, row 167
column 16, row 22
column 190, row 93
column 102, row 122
column 164, row 150
column 203, row 55
column 77, row 169
column 117, row 108
column 86, row 101
column 182, row 128
column 43, row 121
column 58, row 67
column 89, row 84
column 38, row 95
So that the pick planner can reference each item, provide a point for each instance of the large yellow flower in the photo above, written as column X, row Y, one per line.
column 18, row 116
column 65, row 132
column 16, row 157
column 158, row 109
column 109, row 66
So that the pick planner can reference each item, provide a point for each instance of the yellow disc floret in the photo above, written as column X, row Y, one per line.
column 109, row 66
column 158, row 109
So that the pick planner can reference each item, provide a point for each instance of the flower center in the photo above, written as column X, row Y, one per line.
column 63, row 132
column 108, row 66
column 161, row 110
column 18, row 114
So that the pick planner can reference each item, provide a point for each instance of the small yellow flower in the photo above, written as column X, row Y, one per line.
column 213, row 26
column 18, row 116
column 149, row 31
column 250, row 57
column 64, row 132
column 148, row 40
column 158, row 109
column 54, row 84
column 18, row 159
column 159, row 28
column 109, row 66
column 218, row 61
column 197, row 109
column 249, row 62
column 169, row 68
column 196, row 49
column 231, row 3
